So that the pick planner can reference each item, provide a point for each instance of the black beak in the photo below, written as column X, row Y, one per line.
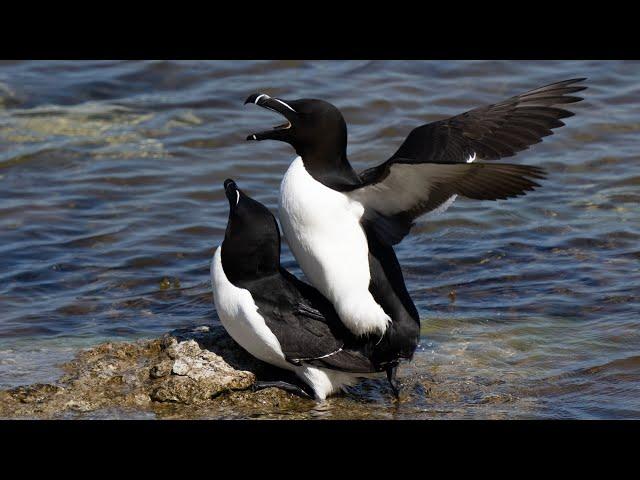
column 276, row 105
column 232, row 192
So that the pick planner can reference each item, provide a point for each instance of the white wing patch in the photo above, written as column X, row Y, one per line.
column 445, row 206
column 404, row 187
column 318, row 358
column 408, row 185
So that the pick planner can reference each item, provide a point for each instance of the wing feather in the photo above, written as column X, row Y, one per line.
column 430, row 166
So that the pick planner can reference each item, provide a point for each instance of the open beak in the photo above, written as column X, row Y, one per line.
column 279, row 106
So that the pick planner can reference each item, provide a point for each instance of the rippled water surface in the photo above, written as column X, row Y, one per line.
column 111, row 205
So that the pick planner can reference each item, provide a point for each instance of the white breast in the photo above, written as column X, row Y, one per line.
column 239, row 316
column 322, row 228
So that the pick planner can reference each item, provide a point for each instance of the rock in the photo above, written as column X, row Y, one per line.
column 161, row 369
column 198, row 375
column 78, row 405
column 192, row 373
column 184, row 367
column 36, row 393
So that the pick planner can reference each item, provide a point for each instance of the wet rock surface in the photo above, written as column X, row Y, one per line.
column 202, row 373
column 183, row 371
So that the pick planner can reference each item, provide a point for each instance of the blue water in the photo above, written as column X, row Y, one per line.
column 111, row 205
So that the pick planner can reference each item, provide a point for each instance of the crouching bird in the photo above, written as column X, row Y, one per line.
column 278, row 318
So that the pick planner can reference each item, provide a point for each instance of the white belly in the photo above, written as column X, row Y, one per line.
column 239, row 315
column 240, row 318
column 322, row 228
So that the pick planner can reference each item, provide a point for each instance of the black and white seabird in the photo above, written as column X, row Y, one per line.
column 341, row 226
column 273, row 315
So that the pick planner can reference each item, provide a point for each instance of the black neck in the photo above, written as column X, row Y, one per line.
column 247, row 257
column 332, row 169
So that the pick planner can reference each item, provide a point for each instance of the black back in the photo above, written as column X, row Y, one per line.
column 305, row 323
column 388, row 288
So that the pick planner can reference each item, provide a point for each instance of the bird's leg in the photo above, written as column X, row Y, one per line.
column 286, row 386
column 395, row 386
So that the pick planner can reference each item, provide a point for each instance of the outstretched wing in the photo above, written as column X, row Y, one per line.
column 436, row 162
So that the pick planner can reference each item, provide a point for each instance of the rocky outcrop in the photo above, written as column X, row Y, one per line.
column 182, row 372
column 203, row 373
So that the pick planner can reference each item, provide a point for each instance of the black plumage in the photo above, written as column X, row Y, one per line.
column 388, row 288
column 304, row 322
column 432, row 165
column 435, row 163
column 491, row 132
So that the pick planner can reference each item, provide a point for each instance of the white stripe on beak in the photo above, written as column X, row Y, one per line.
column 280, row 101
column 259, row 97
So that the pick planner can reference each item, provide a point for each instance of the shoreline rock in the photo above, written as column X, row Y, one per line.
column 201, row 373
column 184, row 373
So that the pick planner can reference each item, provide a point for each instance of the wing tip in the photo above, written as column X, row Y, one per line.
column 570, row 81
column 537, row 172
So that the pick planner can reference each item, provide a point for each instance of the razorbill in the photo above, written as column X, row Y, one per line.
column 273, row 315
column 338, row 223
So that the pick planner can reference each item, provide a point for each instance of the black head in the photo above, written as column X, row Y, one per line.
column 313, row 127
column 251, row 246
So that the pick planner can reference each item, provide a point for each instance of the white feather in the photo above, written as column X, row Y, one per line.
column 408, row 184
column 327, row 382
column 239, row 315
column 322, row 228
column 442, row 208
